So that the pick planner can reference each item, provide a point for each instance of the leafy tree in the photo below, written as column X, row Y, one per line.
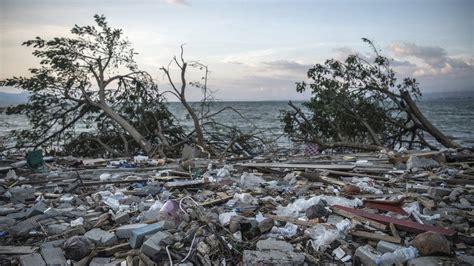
column 360, row 104
column 91, row 77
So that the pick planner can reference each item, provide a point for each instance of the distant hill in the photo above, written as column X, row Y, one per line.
column 7, row 99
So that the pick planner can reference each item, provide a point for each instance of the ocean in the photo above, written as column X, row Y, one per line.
column 454, row 117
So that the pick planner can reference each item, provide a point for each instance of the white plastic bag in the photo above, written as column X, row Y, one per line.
column 249, row 180
column 288, row 231
column 321, row 236
column 224, row 218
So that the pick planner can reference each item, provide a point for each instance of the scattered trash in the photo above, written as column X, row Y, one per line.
column 213, row 212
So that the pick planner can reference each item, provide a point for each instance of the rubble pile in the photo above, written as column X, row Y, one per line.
column 367, row 208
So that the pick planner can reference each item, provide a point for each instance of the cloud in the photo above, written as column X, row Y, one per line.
column 431, row 60
column 288, row 65
column 342, row 53
column 178, row 2
column 250, row 58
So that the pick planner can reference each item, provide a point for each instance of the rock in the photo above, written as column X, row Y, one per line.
column 125, row 231
column 414, row 163
column 56, row 229
column 21, row 194
column 7, row 221
column 101, row 237
column 272, row 257
column 121, row 218
column 53, row 244
column 34, row 259
column 454, row 194
column 53, row 256
column 152, row 246
column 77, row 247
column 351, row 189
column 36, row 209
column 431, row 243
column 74, row 231
column 273, row 244
column 22, row 229
column 438, row 192
column 138, row 235
column 317, row 211
column 235, row 223
column 265, row 225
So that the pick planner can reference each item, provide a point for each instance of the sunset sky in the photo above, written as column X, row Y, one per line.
column 257, row 50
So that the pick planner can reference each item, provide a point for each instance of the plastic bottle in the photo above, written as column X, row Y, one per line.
column 398, row 256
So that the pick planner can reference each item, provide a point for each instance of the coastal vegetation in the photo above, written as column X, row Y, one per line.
column 93, row 78
column 359, row 103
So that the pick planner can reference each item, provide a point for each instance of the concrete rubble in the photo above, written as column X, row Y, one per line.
column 412, row 208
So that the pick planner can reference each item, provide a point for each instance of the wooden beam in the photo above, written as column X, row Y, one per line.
column 374, row 236
column 16, row 250
column 361, row 219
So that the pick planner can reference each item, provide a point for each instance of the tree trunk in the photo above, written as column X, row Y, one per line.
column 197, row 125
column 144, row 144
column 438, row 135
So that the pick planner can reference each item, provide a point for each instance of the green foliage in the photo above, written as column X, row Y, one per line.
column 76, row 76
column 354, row 101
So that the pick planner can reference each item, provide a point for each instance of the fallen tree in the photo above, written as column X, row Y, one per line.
column 92, row 78
column 359, row 104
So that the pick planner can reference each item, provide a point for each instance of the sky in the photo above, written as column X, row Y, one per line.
column 257, row 50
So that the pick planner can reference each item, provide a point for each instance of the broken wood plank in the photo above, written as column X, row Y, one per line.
column 109, row 251
column 95, row 183
column 399, row 223
column 361, row 219
column 182, row 184
column 341, row 173
column 385, row 207
column 300, row 166
column 325, row 179
column 16, row 250
column 292, row 220
column 427, row 203
column 169, row 178
column 213, row 202
column 394, row 230
column 375, row 236
column 179, row 173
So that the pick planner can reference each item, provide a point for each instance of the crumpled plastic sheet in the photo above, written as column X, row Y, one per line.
column 245, row 198
column 414, row 207
column 366, row 184
column 300, row 205
column 224, row 218
column 224, row 172
column 289, row 230
column 323, row 235
column 249, row 180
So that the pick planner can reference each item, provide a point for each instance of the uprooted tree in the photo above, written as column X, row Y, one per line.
column 92, row 78
column 359, row 104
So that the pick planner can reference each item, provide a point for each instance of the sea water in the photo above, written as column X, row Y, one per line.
column 454, row 117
